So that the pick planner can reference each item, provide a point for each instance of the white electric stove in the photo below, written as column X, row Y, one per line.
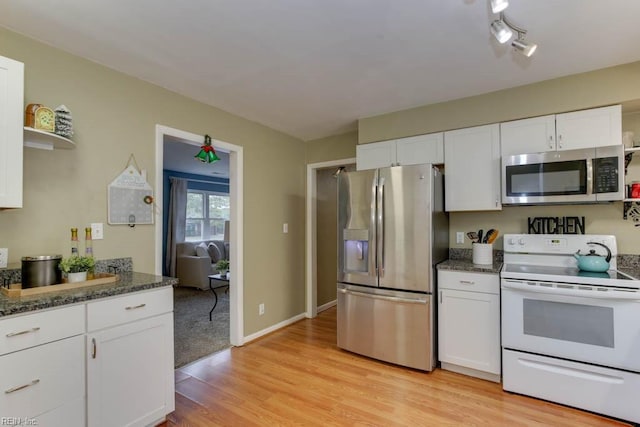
column 570, row 336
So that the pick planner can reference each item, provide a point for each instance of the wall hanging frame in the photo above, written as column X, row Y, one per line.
column 130, row 197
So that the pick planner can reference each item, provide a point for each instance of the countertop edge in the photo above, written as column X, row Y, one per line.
column 128, row 282
column 469, row 266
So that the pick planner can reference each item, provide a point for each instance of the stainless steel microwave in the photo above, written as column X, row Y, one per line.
column 571, row 176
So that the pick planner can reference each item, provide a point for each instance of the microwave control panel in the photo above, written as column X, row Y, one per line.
column 605, row 175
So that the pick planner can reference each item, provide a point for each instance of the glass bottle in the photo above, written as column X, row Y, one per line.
column 88, row 246
column 74, row 242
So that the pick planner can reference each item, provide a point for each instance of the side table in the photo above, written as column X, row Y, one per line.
column 217, row 281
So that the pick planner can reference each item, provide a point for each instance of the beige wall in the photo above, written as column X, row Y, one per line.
column 115, row 115
column 602, row 87
column 326, row 242
column 619, row 84
column 332, row 148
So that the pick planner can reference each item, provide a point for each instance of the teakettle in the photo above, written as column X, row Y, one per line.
column 592, row 261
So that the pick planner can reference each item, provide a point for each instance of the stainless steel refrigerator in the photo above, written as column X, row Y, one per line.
column 392, row 230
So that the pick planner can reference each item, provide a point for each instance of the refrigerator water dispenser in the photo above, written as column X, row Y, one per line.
column 356, row 250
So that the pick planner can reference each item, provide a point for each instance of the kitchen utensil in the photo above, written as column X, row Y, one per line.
column 487, row 234
column 493, row 236
column 41, row 271
column 480, row 235
column 473, row 236
column 592, row 261
column 635, row 190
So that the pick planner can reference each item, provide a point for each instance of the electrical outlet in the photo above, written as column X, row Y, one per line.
column 285, row 227
column 261, row 309
column 4, row 255
column 459, row 236
column 97, row 231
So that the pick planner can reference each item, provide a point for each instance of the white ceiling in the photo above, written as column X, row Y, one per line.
column 311, row 68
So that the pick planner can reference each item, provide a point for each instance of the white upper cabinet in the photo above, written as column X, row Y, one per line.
column 597, row 127
column 11, row 104
column 472, row 159
column 412, row 150
column 533, row 135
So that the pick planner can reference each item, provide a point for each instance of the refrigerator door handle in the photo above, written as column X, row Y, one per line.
column 380, row 227
column 384, row 297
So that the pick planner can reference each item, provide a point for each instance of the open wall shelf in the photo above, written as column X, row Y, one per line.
column 35, row 138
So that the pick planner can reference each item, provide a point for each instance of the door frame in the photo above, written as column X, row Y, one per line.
column 236, row 192
column 311, row 235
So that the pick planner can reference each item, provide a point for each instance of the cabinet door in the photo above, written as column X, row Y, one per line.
column 472, row 175
column 469, row 330
column 11, row 132
column 416, row 150
column 376, row 155
column 597, row 127
column 130, row 373
column 535, row 135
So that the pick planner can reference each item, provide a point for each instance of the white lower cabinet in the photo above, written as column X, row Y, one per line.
column 119, row 373
column 469, row 323
column 130, row 378
column 41, row 382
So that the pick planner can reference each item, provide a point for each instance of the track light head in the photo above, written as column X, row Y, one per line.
column 498, row 6
column 525, row 48
column 501, row 31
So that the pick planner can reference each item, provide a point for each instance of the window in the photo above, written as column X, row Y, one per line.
column 206, row 214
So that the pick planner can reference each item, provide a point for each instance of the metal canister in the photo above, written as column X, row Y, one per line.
column 41, row 271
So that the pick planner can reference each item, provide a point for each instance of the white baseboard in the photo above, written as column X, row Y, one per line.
column 275, row 327
column 326, row 306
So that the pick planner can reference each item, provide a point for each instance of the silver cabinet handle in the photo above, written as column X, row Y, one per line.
column 135, row 306
column 26, row 331
column 94, row 350
column 551, row 141
column 440, row 297
column 20, row 387
column 467, row 282
column 559, row 141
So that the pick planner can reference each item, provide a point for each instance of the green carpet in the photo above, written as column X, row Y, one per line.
column 194, row 335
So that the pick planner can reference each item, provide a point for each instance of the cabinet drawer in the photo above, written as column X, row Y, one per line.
column 472, row 282
column 128, row 308
column 40, row 379
column 71, row 414
column 29, row 330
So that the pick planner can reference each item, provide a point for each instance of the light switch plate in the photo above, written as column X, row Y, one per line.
column 4, row 255
column 459, row 236
column 97, row 231
column 285, row 227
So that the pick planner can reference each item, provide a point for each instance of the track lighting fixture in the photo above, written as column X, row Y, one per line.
column 498, row 6
column 503, row 30
column 522, row 46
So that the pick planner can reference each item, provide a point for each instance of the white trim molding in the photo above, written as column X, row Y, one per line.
column 274, row 328
column 311, row 275
column 327, row 306
column 236, row 187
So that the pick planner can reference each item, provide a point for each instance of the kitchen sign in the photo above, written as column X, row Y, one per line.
column 556, row 225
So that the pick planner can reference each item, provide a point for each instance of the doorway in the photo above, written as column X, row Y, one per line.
column 236, row 327
column 320, row 173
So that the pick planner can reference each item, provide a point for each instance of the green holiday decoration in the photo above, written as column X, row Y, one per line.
column 207, row 154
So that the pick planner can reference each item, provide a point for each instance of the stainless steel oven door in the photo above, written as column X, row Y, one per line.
column 554, row 319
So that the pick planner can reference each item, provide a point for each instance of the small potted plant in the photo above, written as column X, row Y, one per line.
column 76, row 267
column 222, row 266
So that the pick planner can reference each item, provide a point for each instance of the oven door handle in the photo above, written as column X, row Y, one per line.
column 611, row 295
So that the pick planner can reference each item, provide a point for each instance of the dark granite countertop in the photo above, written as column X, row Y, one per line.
column 127, row 282
column 467, row 265
column 631, row 271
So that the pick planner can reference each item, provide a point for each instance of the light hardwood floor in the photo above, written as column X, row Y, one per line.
column 297, row 376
